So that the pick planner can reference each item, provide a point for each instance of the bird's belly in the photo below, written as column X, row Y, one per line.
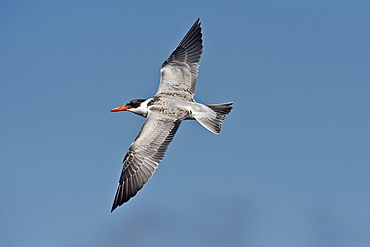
column 171, row 111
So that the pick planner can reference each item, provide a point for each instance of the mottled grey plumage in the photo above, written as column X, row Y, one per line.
column 164, row 112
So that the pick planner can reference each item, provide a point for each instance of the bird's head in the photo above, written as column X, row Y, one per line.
column 138, row 106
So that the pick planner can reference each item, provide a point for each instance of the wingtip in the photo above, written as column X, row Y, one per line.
column 116, row 202
column 114, row 206
column 198, row 22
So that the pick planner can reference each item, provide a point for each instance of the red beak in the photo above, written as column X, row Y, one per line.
column 120, row 108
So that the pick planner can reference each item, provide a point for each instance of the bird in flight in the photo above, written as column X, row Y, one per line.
column 164, row 113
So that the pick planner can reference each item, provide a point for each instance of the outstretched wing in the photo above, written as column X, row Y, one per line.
column 144, row 154
column 180, row 71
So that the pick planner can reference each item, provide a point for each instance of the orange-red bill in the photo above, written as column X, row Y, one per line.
column 120, row 108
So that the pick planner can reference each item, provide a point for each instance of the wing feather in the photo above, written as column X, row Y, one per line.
column 144, row 155
column 180, row 71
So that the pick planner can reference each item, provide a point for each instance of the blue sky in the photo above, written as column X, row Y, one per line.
column 290, row 168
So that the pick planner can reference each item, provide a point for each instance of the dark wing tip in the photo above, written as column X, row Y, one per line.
column 190, row 48
column 130, row 182
column 121, row 196
column 116, row 203
column 118, row 199
column 125, row 191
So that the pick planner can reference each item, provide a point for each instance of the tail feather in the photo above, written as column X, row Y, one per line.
column 214, row 124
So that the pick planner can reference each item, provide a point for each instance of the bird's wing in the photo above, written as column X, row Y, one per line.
column 180, row 71
column 144, row 154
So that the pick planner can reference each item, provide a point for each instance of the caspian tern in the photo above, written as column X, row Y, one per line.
column 164, row 112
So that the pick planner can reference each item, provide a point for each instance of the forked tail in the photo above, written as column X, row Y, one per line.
column 214, row 124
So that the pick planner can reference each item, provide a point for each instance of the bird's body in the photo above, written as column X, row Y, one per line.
column 164, row 112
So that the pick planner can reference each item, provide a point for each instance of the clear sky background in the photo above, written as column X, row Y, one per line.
column 291, row 166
